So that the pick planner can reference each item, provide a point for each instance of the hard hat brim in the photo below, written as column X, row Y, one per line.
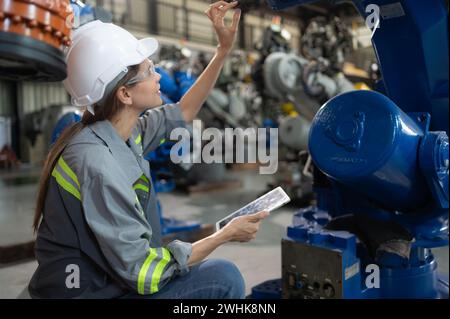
column 150, row 45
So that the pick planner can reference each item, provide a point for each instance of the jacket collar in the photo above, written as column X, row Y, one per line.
column 123, row 154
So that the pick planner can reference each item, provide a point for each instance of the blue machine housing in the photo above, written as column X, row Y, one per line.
column 386, row 156
column 417, row 278
column 168, row 84
column 361, row 138
column 176, row 85
column 65, row 121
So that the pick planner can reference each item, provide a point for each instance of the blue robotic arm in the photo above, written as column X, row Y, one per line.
column 385, row 160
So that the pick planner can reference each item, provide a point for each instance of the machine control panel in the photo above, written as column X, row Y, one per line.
column 310, row 272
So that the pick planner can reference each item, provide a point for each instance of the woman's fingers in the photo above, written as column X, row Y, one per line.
column 236, row 19
column 208, row 13
column 218, row 10
column 223, row 5
column 219, row 6
column 252, row 229
column 258, row 216
column 246, row 227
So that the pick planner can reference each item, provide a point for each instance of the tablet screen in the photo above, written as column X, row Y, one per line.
column 268, row 202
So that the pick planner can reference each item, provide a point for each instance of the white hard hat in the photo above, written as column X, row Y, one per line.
column 100, row 54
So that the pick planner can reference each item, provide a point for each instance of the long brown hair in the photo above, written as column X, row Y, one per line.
column 106, row 110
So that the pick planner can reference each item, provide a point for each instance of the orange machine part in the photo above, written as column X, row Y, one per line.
column 44, row 20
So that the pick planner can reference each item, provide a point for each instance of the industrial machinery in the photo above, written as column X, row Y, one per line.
column 288, row 75
column 382, row 162
column 50, row 122
column 229, row 104
column 306, row 80
column 33, row 34
column 293, row 88
column 327, row 39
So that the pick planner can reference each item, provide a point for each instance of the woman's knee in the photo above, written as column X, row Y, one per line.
column 227, row 273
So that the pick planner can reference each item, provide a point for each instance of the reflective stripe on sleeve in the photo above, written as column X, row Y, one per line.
column 156, row 277
column 144, row 269
column 66, row 185
column 68, row 170
column 155, row 280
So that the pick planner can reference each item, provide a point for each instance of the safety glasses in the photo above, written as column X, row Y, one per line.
column 151, row 71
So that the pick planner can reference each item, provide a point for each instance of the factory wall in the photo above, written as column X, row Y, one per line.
column 34, row 97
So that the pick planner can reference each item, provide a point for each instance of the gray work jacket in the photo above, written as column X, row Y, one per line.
column 100, row 220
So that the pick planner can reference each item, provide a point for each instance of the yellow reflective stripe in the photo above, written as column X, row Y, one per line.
column 144, row 178
column 68, row 171
column 66, row 185
column 144, row 270
column 162, row 141
column 141, row 187
column 138, row 140
column 156, row 277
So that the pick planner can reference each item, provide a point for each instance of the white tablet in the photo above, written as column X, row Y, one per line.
column 268, row 202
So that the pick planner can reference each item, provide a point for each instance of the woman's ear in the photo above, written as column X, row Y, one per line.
column 124, row 96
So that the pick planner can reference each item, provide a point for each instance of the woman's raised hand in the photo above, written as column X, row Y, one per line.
column 226, row 35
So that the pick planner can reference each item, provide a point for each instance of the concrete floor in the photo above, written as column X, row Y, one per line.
column 258, row 261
